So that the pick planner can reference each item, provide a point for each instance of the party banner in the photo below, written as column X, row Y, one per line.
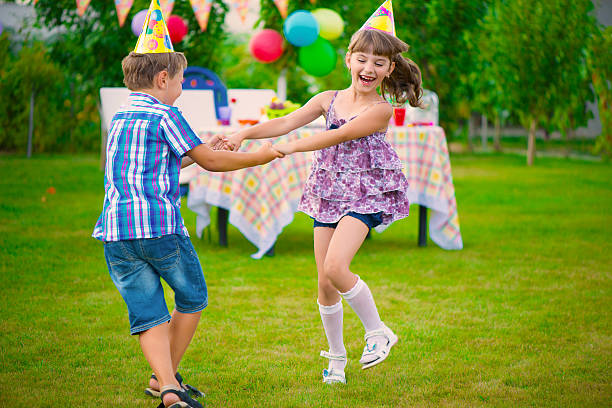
column 282, row 6
column 201, row 9
column 82, row 6
column 123, row 8
column 243, row 8
column 166, row 6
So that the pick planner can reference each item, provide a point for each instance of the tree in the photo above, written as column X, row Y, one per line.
column 533, row 50
column 599, row 57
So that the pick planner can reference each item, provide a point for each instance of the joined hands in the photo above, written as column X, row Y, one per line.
column 232, row 143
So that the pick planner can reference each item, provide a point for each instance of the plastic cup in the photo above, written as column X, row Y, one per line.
column 225, row 113
column 399, row 114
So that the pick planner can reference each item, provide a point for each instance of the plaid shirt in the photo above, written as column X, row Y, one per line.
column 143, row 159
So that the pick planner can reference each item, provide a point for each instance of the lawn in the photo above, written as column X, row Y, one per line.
column 521, row 317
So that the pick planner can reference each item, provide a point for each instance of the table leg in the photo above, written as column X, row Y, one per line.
column 422, row 226
column 270, row 251
column 222, row 216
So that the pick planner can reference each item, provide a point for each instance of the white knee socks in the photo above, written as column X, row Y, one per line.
column 361, row 300
column 331, row 316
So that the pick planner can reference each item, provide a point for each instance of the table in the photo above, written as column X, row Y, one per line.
column 262, row 200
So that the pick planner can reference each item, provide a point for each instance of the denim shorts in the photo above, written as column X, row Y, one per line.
column 370, row 220
column 136, row 266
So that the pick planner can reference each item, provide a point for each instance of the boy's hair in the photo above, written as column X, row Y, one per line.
column 139, row 70
column 404, row 83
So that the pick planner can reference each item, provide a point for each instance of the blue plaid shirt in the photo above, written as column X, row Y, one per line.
column 147, row 140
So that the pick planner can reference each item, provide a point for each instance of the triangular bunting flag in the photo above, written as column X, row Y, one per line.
column 82, row 6
column 123, row 8
column 382, row 19
column 201, row 9
column 242, row 6
column 166, row 6
column 154, row 38
column 282, row 6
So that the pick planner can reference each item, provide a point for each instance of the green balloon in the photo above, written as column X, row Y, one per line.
column 318, row 58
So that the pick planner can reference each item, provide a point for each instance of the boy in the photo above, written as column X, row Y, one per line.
column 141, row 226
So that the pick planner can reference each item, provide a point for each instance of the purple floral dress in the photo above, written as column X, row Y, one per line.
column 362, row 175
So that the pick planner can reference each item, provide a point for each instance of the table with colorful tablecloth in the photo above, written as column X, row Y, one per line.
column 262, row 200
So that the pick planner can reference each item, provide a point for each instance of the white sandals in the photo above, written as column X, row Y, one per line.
column 376, row 353
column 333, row 376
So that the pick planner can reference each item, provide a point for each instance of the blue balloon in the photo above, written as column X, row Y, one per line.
column 301, row 28
column 1, row 28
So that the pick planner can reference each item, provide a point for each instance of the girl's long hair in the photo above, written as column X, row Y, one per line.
column 404, row 83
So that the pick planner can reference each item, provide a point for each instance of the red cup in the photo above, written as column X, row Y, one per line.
column 399, row 114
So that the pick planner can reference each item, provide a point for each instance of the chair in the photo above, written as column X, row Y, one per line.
column 202, row 78
column 196, row 105
column 248, row 103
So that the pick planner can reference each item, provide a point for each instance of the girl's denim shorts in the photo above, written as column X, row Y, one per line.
column 136, row 267
column 371, row 220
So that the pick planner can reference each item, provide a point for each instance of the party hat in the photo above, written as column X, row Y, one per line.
column 154, row 37
column 382, row 19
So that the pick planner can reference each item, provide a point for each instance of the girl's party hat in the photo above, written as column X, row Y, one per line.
column 154, row 37
column 382, row 19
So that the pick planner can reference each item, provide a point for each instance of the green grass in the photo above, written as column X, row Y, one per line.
column 520, row 317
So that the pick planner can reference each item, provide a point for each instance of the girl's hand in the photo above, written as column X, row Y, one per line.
column 217, row 142
column 284, row 148
column 269, row 153
column 234, row 141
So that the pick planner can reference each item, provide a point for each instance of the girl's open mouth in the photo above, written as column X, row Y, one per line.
column 366, row 80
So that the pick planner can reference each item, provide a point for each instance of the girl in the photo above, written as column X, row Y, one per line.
column 356, row 182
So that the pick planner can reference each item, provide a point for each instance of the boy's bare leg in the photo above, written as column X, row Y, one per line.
column 182, row 327
column 155, row 345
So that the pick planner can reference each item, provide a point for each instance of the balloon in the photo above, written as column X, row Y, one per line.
column 266, row 46
column 177, row 28
column 138, row 21
column 301, row 28
column 319, row 58
column 1, row 28
column 330, row 23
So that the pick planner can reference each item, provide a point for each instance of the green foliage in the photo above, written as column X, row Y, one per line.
column 86, row 53
column 533, row 61
column 600, row 61
column 32, row 71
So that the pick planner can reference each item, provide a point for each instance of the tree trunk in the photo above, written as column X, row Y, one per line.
column 470, row 133
column 483, row 131
column 497, row 134
column 31, row 124
column 570, row 136
column 531, row 143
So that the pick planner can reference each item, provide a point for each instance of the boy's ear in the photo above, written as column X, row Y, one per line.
column 161, row 79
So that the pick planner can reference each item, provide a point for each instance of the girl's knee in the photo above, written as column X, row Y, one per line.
column 332, row 269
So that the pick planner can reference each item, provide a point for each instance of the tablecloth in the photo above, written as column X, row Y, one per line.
column 263, row 200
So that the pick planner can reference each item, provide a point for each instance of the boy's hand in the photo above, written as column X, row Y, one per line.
column 284, row 148
column 268, row 153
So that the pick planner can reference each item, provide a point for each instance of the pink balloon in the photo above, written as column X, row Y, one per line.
column 177, row 28
column 266, row 46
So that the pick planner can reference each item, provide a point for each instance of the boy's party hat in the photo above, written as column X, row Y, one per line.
column 154, row 37
column 382, row 19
